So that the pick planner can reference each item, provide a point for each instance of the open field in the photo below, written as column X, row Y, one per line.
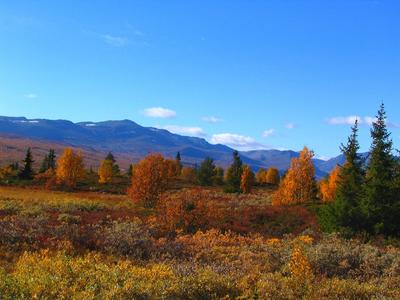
column 199, row 244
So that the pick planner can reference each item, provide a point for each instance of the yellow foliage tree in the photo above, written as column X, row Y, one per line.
column 106, row 171
column 261, row 176
column 70, row 168
column 173, row 168
column 188, row 174
column 329, row 185
column 149, row 180
column 298, row 186
column 247, row 180
column 272, row 176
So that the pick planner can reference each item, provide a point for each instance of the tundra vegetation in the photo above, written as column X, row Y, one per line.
column 163, row 229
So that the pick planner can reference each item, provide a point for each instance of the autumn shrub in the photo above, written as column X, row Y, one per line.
column 9, row 206
column 149, row 180
column 341, row 258
column 127, row 239
column 47, row 275
column 189, row 211
column 69, row 219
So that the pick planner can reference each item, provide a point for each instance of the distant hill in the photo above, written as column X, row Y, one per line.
column 129, row 142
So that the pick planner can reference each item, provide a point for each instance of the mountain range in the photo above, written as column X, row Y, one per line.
column 129, row 142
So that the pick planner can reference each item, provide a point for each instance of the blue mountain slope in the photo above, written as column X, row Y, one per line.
column 129, row 138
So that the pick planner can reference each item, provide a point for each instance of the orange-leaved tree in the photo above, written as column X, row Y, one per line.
column 149, row 180
column 272, row 176
column 173, row 168
column 189, row 174
column 261, row 176
column 329, row 185
column 106, row 171
column 298, row 186
column 70, row 168
column 247, row 180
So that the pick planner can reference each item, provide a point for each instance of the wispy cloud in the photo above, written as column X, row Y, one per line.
column 237, row 141
column 159, row 112
column 290, row 125
column 138, row 32
column 268, row 133
column 31, row 96
column 349, row 120
column 183, row 130
column 211, row 119
column 116, row 41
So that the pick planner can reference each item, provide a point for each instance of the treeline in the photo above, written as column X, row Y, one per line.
column 69, row 171
column 362, row 195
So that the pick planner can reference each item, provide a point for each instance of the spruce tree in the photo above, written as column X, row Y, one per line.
column 344, row 213
column 130, row 171
column 206, row 172
column 179, row 161
column 379, row 192
column 52, row 159
column 49, row 162
column 27, row 171
column 234, row 174
column 45, row 165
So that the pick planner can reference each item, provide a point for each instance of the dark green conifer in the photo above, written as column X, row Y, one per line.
column 206, row 172
column 344, row 213
column 234, row 174
column 379, row 191
column 27, row 171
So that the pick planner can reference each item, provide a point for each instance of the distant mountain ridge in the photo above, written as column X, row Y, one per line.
column 131, row 141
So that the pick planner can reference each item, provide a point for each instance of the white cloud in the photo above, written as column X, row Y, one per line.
column 322, row 157
column 289, row 125
column 182, row 130
column 30, row 96
column 361, row 120
column 116, row 41
column 159, row 112
column 237, row 141
column 211, row 119
column 368, row 120
column 269, row 132
column 349, row 120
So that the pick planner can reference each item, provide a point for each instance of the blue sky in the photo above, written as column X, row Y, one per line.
column 251, row 74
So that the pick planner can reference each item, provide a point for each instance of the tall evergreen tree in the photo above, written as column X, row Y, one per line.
column 234, row 173
column 178, row 160
column 206, row 172
column 345, row 211
column 130, row 171
column 379, row 191
column 49, row 162
column 27, row 171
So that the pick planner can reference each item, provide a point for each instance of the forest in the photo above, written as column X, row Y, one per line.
column 165, row 230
